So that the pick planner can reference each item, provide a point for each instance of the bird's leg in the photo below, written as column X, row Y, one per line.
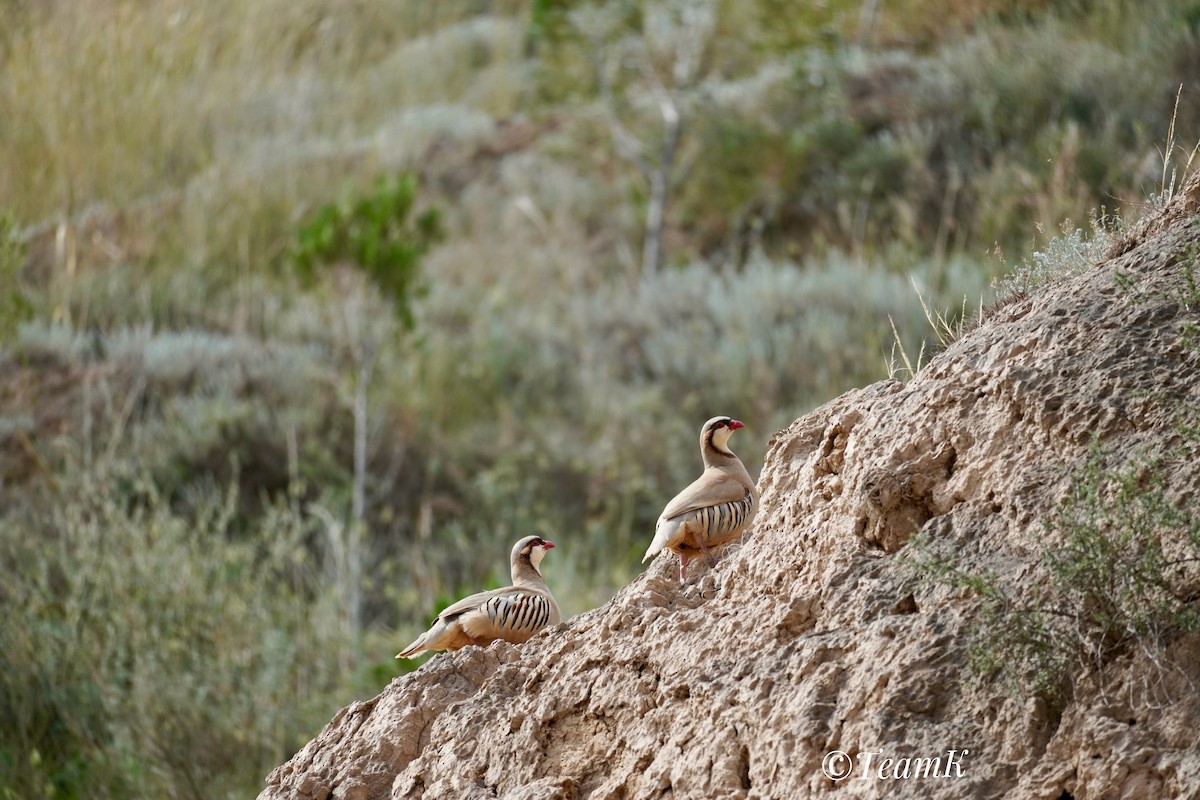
column 683, row 559
column 704, row 549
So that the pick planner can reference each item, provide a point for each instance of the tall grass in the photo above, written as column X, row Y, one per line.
column 212, row 126
column 153, row 653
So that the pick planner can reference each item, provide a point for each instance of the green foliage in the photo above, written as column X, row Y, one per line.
column 15, row 306
column 373, row 232
column 1113, row 525
column 153, row 653
column 1112, row 580
column 56, row 731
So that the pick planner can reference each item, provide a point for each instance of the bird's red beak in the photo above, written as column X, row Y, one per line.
column 547, row 544
column 734, row 424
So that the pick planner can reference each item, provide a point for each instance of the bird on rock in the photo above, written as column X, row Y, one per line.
column 513, row 613
column 716, row 508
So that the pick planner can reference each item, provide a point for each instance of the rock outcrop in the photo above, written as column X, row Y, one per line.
column 810, row 635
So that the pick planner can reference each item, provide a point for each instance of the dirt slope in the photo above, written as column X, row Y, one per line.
column 809, row 636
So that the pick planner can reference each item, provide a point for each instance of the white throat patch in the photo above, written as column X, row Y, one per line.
column 720, row 438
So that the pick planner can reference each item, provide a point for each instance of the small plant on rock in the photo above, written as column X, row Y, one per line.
column 1118, row 577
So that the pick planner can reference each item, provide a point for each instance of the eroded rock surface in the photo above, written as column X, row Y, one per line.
column 809, row 636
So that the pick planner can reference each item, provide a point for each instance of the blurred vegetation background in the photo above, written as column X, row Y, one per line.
column 309, row 309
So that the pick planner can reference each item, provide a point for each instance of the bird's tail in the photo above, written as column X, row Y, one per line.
column 662, row 534
column 416, row 648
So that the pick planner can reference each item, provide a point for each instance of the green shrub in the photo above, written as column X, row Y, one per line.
column 15, row 306
column 1111, row 580
column 183, row 406
column 373, row 232
column 1065, row 256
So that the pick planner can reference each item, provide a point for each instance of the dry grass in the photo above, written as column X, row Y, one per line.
column 224, row 121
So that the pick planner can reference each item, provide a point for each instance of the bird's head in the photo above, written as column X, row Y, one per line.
column 532, row 548
column 717, row 432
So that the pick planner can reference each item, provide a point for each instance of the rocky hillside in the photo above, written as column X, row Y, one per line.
column 812, row 635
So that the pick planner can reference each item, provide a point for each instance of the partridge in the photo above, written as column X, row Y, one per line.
column 513, row 613
column 716, row 508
